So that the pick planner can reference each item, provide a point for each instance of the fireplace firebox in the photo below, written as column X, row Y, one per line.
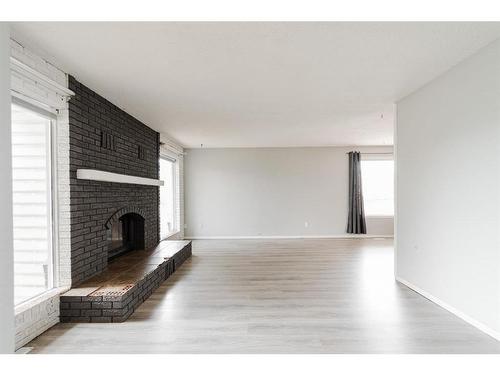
column 125, row 235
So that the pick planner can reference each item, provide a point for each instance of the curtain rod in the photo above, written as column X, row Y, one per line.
column 373, row 153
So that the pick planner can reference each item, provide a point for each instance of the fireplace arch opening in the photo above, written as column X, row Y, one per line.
column 125, row 234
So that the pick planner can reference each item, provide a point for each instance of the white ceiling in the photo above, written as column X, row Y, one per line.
column 258, row 84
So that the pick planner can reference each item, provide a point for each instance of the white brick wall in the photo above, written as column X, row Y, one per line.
column 63, row 199
column 40, row 316
column 37, row 315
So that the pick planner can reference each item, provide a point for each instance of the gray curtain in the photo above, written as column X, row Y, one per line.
column 356, row 221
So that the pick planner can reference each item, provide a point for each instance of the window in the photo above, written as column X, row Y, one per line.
column 168, row 214
column 378, row 187
column 32, row 202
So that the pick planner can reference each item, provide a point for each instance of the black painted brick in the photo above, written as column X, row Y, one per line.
column 79, row 305
column 69, row 312
column 112, row 312
column 92, row 203
column 92, row 299
column 96, row 312
column 103, row 305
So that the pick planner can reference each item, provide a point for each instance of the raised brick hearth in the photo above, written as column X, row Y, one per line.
column 112, row 296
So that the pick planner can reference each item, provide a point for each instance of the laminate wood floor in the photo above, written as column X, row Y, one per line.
column 279, row 296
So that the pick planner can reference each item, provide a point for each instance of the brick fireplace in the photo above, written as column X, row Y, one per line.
column 109, row 219
column 116, row 258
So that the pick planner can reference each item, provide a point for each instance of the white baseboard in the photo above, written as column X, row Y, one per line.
column 482, row 327
column 342, row 236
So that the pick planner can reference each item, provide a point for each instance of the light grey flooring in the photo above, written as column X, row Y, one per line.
column 280, row 296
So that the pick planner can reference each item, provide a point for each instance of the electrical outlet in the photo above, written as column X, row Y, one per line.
column 185, row 226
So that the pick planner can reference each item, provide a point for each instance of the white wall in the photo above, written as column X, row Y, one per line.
column 6, row 251
column 270, row 192
column 448, row 189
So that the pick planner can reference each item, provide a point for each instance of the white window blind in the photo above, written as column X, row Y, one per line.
column 32, row 203
column 168, row 215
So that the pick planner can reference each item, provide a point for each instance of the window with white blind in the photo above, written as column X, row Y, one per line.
column 32, row 202
column 168, row 214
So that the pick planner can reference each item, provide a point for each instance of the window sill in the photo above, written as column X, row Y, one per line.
column 26, row 305
column 379, row 216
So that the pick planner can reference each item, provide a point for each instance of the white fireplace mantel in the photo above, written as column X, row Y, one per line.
column 97, row 175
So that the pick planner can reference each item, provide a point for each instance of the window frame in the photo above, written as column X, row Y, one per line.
column 380, row 157
column 52, row 199
column 175, row 191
